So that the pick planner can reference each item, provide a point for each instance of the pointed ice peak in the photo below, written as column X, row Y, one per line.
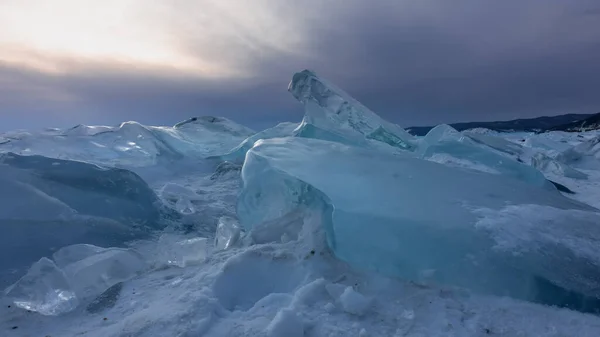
column 337, row 109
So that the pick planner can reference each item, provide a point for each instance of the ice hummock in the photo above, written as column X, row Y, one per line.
column 547, row 164
column 410, row 215
column 133, row 145
column 583, row 155
column 48, row 203
column 331, row 114
column 443, row 139
column 84, row 188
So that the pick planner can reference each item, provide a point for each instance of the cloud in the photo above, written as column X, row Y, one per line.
column 413, row 62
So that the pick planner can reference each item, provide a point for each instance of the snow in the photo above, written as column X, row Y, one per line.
column 286, row 323
column 353, row 302
column 212, row 262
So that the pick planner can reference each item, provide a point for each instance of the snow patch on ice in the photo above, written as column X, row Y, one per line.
column 286, row 323
column 249, row 277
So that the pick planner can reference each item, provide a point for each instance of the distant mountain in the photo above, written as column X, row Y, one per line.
column 538, row 124
column 590, row 123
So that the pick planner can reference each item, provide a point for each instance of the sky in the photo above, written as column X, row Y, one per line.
column 66, row 62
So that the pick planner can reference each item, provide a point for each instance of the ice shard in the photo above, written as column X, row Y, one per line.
column 91, row 270
column 333, row 115
column 44, row 289
column 78, row 273
column 403, row 216
column 228, row 233
column 173, row 250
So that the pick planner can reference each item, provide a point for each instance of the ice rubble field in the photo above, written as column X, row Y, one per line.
column 340, row 225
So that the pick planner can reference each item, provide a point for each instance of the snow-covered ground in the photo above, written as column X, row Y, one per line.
column 268, row 281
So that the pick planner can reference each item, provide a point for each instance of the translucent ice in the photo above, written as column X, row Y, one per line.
column 49, row 203
column 228, row 233
column 237, row 154
column 173, row 250
column 44, row 289
column 330, row 114
column 75, row 253
column 91, row 270
column 404, row 216
column 76, row 187
column 337, row 116
column 443, row 139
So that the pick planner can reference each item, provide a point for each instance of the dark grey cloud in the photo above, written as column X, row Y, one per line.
column 413, row 62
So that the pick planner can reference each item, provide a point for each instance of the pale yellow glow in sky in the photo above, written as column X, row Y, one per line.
column 202, row 37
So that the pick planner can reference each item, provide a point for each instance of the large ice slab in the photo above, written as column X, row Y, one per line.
column 409, row 217
column 331, row 114
column 77, row 186
column 49, row 203
column 479, row 155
